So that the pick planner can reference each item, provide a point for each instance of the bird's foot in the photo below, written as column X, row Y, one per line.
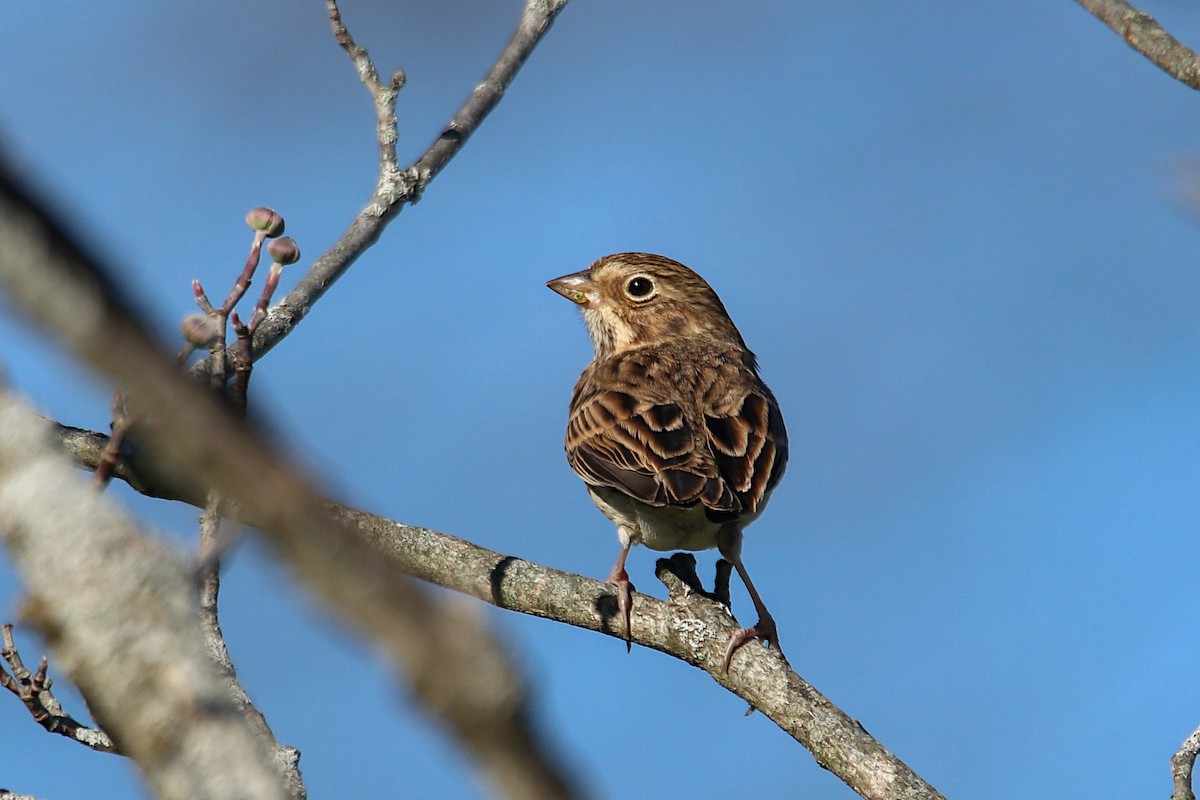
column 764, row 631
column 683, row 567
column 625, row 589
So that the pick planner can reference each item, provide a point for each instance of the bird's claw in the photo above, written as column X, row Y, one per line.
column 764, row 631
column 625, row 589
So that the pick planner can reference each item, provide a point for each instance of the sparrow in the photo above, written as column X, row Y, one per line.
column 679, row 441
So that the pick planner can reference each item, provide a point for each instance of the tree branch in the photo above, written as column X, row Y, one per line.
column 1143, row 33
column 456, row 670
column 118, row 609
column 690, row 628
column 193, row 442
column 1182, row 764
column 33, row 689
column 396, row 187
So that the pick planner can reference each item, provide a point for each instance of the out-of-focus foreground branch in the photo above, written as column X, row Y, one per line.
column 439, row 646
column 457, row 670
column 118, row 608
column 1143, row 33
column 194, row 447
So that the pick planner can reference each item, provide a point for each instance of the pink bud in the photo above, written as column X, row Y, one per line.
column 284, row 251
column 265, row 220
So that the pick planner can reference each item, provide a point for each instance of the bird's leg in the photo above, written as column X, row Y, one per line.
column 625, row 589
column 764, row 630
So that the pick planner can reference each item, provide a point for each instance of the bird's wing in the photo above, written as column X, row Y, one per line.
column 748, row 441
column 727, row 454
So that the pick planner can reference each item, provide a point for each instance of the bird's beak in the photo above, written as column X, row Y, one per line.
column 578, row 287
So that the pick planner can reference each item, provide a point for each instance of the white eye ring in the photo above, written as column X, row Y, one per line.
column 640, row 288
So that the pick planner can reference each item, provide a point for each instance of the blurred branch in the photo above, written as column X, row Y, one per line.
column 688, row 627
column 1182, row 764
column 118, row 609
column 86, row 448
column 397, row 187
column 1143, row 33
column 455, row 669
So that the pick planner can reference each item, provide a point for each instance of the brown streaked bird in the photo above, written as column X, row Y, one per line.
column 679, row 441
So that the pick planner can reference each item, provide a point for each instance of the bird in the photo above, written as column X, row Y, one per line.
column 679, row 441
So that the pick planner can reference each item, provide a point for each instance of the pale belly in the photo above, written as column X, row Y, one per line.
column 657, row 528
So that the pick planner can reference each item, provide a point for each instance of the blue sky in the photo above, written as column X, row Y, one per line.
column 953, row 233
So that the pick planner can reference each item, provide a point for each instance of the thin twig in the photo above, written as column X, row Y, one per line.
column 121, row 421
column 397, row 187
column 384, row 94
column 243, row 365
column 1143, row 33
column 212, row 544
column 33, row 689
column 243, row 282
column 210, row 583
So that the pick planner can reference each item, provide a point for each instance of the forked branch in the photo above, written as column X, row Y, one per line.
column 397, row 187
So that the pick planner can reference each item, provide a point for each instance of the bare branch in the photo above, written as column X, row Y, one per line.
column 397, row 187
column 384, row 94
column 137, row 470
column 1143, row 33
column 689, row 628
column 208, row 578
column 1182, row 764
column 457, row 671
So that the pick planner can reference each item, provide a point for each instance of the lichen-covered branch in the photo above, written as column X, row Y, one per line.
column 1182, row 765
column 1143, row 33
column 689, row 627
column 117, row 608
column 456, row 669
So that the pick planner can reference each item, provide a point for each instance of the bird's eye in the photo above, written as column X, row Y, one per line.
column 639, row 288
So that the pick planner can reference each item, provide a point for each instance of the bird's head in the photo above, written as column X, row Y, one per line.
column 635, row 299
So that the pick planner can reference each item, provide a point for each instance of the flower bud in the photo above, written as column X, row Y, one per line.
column 266, row 220
column 284, row 251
